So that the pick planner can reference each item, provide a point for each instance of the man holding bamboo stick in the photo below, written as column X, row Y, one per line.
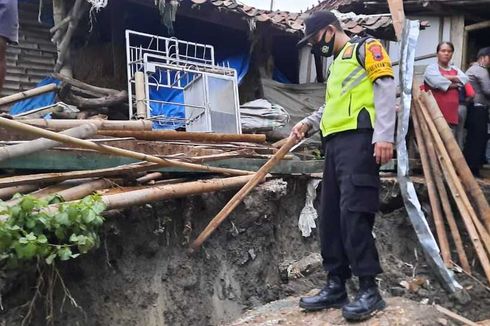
column 357, row 125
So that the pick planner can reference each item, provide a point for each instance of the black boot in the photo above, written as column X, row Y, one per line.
column 333, row 295
column 367, row 301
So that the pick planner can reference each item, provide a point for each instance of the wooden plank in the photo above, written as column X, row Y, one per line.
column 455, row 316
column 163, row 135
column 457, row 26
column 398, row 16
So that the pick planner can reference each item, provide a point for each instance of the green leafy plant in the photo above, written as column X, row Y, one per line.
column 34, row 230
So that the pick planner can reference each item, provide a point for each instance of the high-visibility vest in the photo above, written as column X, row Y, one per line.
column 349, row 91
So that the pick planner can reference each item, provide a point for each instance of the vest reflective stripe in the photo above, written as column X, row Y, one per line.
column 349, row 91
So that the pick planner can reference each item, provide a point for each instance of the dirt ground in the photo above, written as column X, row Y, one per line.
column 143, row 274
column 399, row 311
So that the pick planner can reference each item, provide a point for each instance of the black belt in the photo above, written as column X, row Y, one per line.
column 352, row 131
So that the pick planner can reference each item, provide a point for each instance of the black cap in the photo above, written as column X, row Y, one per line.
column 315, row 22
column 483, row 52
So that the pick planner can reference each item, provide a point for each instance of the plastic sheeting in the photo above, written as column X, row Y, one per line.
column 308, row 214
column 35, row 102
column 299, row 100
column 240, row 63
column 262, row 116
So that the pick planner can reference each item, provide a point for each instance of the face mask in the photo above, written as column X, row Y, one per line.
column 323, row 48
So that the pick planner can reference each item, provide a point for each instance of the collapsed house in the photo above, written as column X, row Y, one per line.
column 259, row 45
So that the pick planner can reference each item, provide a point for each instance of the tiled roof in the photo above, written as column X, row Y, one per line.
column 331, row 4
column 293, row 22
column 478, row 8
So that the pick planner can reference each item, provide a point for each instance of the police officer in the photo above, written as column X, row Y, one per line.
column 357, row 124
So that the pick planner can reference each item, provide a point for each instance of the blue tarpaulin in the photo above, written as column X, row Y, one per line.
column 278, row 76
column 36, row 101
column 239, row 62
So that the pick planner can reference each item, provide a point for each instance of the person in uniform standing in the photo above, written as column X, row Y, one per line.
column 357, row 124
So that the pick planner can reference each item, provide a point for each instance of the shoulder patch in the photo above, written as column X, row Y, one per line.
column 377, row 62
column 349, row 52
column 376, row 50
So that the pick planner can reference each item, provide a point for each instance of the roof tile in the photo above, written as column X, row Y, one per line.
column 293, row 22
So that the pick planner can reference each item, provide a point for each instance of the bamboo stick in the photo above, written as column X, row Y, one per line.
column 8, row 192
column 156, row 193
column 149, row 177
column 240, row 195
column 161, row 192
column 139, row 80
column 167, row 191
column 61, row 124
column 27, row 94
column 192, row 136
column 61, row 176
column 129, row 169
column 84, row 189
column 36, row 145
column 114, row 150
column 469, row 211
column 44, row 192
column 457, row 158
column 458, row 195
column 433, row 198
column 436, row 169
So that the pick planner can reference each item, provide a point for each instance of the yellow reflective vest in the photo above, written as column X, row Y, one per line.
column 349, row 91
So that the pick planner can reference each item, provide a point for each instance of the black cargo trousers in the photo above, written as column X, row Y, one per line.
column 349, row 201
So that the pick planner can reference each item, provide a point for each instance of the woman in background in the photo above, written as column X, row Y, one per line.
column 446, row 81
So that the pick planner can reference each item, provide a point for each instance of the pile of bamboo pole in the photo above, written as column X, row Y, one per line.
column 131, row 184
column 445, row 169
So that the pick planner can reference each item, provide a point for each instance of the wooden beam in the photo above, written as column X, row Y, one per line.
column 84, row 86
column 68, row 97
column 457, row 38
column 455, row 316
column 61, row 24
column 64, row 45
column 477, row 26
column 398, row 16
column 181, row 135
